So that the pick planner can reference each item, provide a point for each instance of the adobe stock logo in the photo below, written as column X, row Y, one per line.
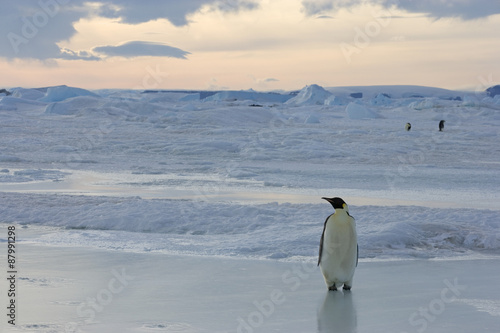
column 32, row 25
column 87, row 311
column 426, row 315
column 292, row 279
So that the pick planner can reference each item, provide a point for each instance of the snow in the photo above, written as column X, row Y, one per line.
column 356, row 111
column 381, row 100
column 174, row 181
column 247, row 96
column 31, row 94
column 266, row 230
column 400, row 91
column 426, row 103
column 310, row 95
column 336, row 100
column 9, row 103
column 72, row 106
column 470, row 101
column 61, row 93
column 251, row 169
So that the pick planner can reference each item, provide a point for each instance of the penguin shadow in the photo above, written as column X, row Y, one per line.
column 337, row 314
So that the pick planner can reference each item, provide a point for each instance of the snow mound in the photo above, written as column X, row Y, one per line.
column 381, row 100
column 72, row 106
column 310, row 95
column 395, row 91
column 336, row 100
column 30, row 94
column 266, row 231
column 493, row 91
column 312, row 119
column 61, row 93
column 190, row 97
column 188, row 107
column 470, row 101
column 9, row 103
column 131, row 107
column 250, row 95
column 357, row 111
column 426, row 103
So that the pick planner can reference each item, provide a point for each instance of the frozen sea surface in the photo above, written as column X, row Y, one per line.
column 167, row 172
column 84, row 290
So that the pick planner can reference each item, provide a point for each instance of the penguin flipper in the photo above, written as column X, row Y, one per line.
column 357, row 254
column 321, row 241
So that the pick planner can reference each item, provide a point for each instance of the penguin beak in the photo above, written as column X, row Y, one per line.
column 328, row 199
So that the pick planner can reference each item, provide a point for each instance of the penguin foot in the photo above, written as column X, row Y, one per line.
column 332, row 288
column 346, row 287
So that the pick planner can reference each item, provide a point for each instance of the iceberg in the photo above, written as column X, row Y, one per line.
column 310, row 95
column 61, row 93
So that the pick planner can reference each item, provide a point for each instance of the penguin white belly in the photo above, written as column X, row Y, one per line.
column 339, row 254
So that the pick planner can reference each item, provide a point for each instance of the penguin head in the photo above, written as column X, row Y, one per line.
column 337, row 203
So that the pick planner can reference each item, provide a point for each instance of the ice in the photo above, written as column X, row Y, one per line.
column 61, row 93
column 356, row 111
column 493, row 91
column 312, row 119
column 10, row 103
column 336, row 100
column 272, row 230
column 31, row 94
column 9, row 158
column 21, row 176
column 248, row 96
column 396, row 91
column 72, row 106
column 310, row 95
column 427, row 103
column 115, row 291
column 381, row 100
column 470, row 101
column 214, row 207
column 153, row 165
column 190, row 97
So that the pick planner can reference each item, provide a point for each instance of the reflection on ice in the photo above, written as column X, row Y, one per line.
column 213, row 188
column 338, row 313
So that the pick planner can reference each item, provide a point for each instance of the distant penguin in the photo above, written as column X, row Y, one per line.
column 441, row 125
column 338, row 248
column 408, row 126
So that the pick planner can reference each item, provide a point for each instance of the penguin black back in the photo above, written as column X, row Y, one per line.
column 441, row 125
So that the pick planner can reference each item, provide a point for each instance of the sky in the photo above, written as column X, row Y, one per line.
column 249, row 44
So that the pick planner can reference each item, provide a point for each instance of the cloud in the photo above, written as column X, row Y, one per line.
column 135, row 12
column 175, row 11
column 318, row 7
column 263, row 82
column 68, row 54
column 464, row 9
column 325, row 17
column 140, row 48
column 32, row 29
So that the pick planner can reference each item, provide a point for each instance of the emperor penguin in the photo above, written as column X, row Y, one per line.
column 408, row 126
column 441, row 125
column 338, row 248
